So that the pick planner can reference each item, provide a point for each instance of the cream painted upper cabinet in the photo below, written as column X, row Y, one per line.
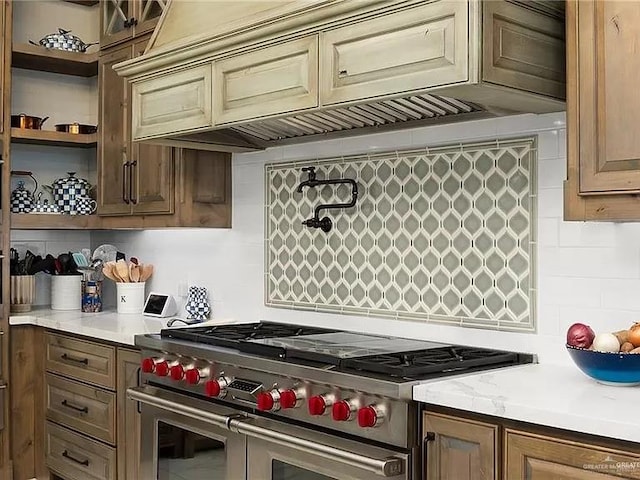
column 278, row 79
column 173, row 102
column 413, row 49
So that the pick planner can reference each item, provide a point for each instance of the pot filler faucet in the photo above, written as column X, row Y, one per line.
column 325, row 223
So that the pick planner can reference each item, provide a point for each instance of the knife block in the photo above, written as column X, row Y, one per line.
column 22, row 292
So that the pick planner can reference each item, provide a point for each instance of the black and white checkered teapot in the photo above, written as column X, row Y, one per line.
column 68, row 191
column 22, row 199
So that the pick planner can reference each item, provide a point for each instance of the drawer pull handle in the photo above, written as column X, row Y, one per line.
column 342, row 73
column 84, row 462
column 70, row 405
column 69, row 358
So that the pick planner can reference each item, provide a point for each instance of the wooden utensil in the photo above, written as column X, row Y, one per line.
column 109, row 272
column 122, row 270
column 147, row 271
column 134, row 272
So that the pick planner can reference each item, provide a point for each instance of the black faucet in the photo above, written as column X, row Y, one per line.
column 325, row 223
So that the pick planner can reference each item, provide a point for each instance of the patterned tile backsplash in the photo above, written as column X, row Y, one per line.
column 441, row 234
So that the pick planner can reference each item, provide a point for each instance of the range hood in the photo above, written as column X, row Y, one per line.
column 237, row 76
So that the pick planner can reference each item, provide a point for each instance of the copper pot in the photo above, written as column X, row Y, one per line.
column 27, row 121
column 76, row 128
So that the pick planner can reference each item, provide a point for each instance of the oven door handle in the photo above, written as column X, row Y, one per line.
column 386, row 467
column 140, row 395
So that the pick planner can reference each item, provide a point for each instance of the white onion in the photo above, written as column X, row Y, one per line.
column 606, row 342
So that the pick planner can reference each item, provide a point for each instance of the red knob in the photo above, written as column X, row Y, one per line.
column 288, row 399
column 317, row 405
column 148, row 365
column 162, row 368
column 265, row 401
column 192, row 376
column 341, row 411
column 212, row 388
column 177, row 372
column 367, row 417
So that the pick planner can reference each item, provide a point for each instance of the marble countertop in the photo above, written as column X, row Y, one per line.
column 108, row 325
column 557, row 396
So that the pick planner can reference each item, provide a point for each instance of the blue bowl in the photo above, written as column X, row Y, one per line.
column 619, row 369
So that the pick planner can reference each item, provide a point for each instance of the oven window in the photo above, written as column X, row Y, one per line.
column 285, row 471
column 185, row 455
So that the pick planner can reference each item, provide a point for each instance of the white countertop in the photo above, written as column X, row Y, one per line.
column 545, row 394
column 108, row 325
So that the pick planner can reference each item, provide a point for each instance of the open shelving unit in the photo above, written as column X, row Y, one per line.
column 49, row 137
column 48, row 221
column 35, row 57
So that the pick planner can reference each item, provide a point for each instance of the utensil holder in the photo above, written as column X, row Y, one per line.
column 66, row 292
column 22, row 292
column 130, row 297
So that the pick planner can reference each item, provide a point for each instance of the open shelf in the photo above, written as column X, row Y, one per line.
column 49, row 137
column 35, row 57
column 48, row 221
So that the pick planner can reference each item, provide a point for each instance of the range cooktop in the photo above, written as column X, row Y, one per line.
column 386, row 357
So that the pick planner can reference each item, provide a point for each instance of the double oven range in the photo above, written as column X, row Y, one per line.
column 271, row 401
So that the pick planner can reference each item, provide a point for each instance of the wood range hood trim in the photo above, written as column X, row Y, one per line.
column 490, row 85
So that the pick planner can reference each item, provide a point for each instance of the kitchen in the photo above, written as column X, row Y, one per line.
column 586, row 271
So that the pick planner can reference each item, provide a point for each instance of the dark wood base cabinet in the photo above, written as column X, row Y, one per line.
column 463, row 446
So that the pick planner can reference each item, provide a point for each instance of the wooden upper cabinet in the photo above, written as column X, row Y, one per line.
column 2, row 45
column 608, row 104
column 113, row 143
column 536, row 457
column 278, row 79
column 603, row 151
column 460, row 449
column 122, row 20
column 409, row 50
column 134, row 179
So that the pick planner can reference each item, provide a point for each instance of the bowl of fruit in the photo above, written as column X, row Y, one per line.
column 609, row 358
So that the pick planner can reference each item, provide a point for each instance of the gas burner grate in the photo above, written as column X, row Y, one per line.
column 436, row 361
column 239, row 335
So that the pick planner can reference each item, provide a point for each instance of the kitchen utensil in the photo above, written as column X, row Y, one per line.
column 63, row 40
column 85, row 205
column 147, row 271
column 66, row 192
column 76, row 128
column 134, row 272
column 108, row 271
column 13, row 261
column 123, row 270
column 80, row 259
column 22, row 199
column 120, row 256
column 27, row 121
column 106, row 253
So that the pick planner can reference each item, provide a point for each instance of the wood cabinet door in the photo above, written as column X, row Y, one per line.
column 608, row 67
column 115, row 16
column 147, row 13
column 460, row 449
column 2, row 24
column 413, row 49
column 536, row 457
column 268, row 81
column 128, row 416
column 151, row 171
column 113, row 144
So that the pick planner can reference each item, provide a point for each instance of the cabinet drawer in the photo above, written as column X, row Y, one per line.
column 273, row 80
column 414, row 49
column 81, row 360
column 171, row 103
column 90, row 410
column 76, row 457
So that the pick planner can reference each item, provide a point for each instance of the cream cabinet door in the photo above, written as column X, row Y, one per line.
column 272, row 80
column 413, row 49
column 175, row 102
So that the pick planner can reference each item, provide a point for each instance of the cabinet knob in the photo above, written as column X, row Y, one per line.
column 430, row 437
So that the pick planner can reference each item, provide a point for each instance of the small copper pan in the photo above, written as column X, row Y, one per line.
column 76, row 128
column 27, row 121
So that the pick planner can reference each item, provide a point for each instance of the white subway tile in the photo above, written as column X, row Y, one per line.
column 548, row 145
column 579, row 292
column 552, row 173
column 550, row 202
column 548, row 232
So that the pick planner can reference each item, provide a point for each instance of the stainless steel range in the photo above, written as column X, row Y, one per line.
column 282, row 402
